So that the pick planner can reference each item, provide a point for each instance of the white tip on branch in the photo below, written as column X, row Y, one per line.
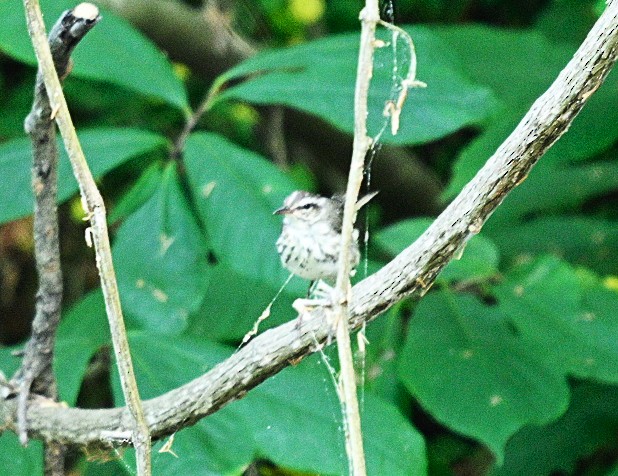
column 87, row 11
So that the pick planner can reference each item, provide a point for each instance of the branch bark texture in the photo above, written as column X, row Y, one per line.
column 369, row 17
column 408, row 275
column 36, row 372
column 95, row 208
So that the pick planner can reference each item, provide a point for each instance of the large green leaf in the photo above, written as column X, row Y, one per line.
column 104, row 150
column 585, row 241
column 519, row 80
column 83, row 330
column 9, row 362
column 293, row 419
column 319, row 78
column 377, row 367
column 229, row 311
column 591, row 423
column 533, row 64
column 236, row 192
column 463, row 363
column 17, row 460
column 144, row 188
column 391, row 445
column 113, row 52
column 572, row 27
column 205, row 447
column 577, row 322
column 161, row 259
column 110, row 468
column 479, row 259
column 556, row 188
column 15, row 104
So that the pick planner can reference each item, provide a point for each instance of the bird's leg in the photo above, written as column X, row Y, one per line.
column 321, row 294
column 299, row 323
column 312, row 284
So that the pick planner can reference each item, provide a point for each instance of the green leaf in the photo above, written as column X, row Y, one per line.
column 142, row 190
column 104, row 149
column 236, row 192
column 230, row 310
column 9, row 362
column 568, row 28
column 161, row 260
column 109, row 468
column 112, row 52
column 386, row 336
column 293, row 419
column 557, row 188
column 319, row 78
column 472, row 374
column 83, row 330
column 584, row 241
column 305, row 432
column 475, row 153
column 479, row 260
column 204, row 448
column 518, row 81
column 19, row 460
column 576, row 323
column 15, row 104
column 590, row 423
column 533, row 64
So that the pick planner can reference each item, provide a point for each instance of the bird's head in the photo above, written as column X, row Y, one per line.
column 307, row 207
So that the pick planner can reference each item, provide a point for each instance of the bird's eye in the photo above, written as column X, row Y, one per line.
column 307, row 206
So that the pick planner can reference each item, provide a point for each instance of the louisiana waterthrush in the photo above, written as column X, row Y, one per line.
column 310, row 238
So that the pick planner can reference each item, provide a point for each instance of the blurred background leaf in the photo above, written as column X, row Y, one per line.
column 161, row 259
column 113, row 52
column 319, row 78
column 105, row 149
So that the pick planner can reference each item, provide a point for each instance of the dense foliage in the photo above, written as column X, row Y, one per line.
column 508, row 366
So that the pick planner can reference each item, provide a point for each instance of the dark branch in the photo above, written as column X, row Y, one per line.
column 36, row 373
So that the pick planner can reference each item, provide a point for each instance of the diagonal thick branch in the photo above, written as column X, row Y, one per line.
column 408, row 275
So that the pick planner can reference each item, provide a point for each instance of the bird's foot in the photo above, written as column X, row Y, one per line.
column 323, row 296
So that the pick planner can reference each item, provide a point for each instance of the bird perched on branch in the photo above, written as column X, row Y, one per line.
column 311, row 235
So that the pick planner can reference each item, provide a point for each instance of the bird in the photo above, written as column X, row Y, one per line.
column 310, row 237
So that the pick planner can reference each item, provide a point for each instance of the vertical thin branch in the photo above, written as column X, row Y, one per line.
column 35, row 373
column 369, row 17
column 93, row 204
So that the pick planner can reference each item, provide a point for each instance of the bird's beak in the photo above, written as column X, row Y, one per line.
column 282, row 211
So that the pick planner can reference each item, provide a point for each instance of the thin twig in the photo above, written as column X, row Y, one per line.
column 369, row 17
column 393, row 108
column 194, row 118
column 95, row 208
column 190, row 124
column 408, row 275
